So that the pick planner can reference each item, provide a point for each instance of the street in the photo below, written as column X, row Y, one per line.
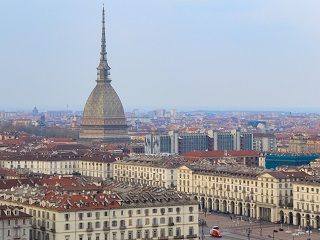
column 235, row 228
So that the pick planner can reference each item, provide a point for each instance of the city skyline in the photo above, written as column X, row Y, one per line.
column 179, row 54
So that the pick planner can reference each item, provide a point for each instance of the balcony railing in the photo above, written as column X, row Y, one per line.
column 42, row 228
column 106, row 228
column 178, row 237
column 123, row 227
column 170, row 224
column 192, row 236
column 89, row 229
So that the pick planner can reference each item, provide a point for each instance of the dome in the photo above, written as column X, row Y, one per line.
column 103, row 102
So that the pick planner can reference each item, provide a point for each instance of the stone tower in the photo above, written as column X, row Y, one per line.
column 103, row 118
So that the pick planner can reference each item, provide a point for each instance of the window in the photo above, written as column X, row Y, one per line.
column 178, row 210
column 146, row 212
column 139, row 234
column 139, row 211
column 89, row 214
column 97, row 224
column 162, row 210
column 162, row 220
column 89, row 225
column 105, row 224
column 147, row 221
column 178, row 231
column 146, row 234
column 122, row 223
column 67, row 226
column 162, row 232
column 97, row 215
column 114, row 223
column 178, row 219
column 81, row 225
column 154, row 210
column 170, row 210
column 114, row 236
column 154, row 221
column 130, row 235
column 155, row 233
column 190, row 209
column 66, row 217
column 105, row 214
column 191, row 231
column 191, row 218
column 80, row 215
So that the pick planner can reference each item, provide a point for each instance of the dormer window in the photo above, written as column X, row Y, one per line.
column 8, row 212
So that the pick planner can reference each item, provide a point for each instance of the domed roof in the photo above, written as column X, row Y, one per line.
column 103, row 102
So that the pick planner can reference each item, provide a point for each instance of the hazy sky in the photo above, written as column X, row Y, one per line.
column 195, row 54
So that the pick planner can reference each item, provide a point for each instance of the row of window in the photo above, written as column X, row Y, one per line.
column 122, row 213
column 122, row 223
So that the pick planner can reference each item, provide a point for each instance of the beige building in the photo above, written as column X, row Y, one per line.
column 245, row 192
column 15, row 224
column 93, row 165
column 147, row 214
column 151, row 171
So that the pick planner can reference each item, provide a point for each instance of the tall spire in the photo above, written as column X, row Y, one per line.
column 103, row 68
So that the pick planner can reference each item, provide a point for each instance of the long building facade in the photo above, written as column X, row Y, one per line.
column 125, row 215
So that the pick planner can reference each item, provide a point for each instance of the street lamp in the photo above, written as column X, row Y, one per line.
column 260, row 225
column 202, row 222
column 273, row 234
column 308, row 226
column 248, row 231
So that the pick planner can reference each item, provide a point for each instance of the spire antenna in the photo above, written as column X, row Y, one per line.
column 103, row 68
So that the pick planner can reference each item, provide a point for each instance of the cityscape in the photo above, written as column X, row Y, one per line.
column 116, row 169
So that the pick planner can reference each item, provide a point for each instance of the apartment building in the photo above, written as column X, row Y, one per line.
column 148, row 170
column 94, row 165
column 150, row 213
column 249, row 192
column 264, row 142
column 15, row 224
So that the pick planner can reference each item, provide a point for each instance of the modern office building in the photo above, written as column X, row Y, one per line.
column 176, row 143
column 264, row 142
column 231, row 140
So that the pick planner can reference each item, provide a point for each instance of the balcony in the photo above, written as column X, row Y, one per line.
column 155, row 225
column 192, row 236
column 163, row 238
column 34, row 226
column 42, row 228
column 53, row 230
column 123, row 227
column 106, row 229
column 170, row 224
column 178, row 237
column 89, row 229
column 139, row 226
column 16, row 237
column 16, row 226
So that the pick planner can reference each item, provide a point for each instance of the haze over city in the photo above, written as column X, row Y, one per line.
column 184, row 54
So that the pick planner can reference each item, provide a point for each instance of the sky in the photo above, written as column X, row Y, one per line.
column 182, row 54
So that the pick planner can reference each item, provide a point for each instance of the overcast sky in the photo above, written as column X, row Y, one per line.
column 184, row 54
